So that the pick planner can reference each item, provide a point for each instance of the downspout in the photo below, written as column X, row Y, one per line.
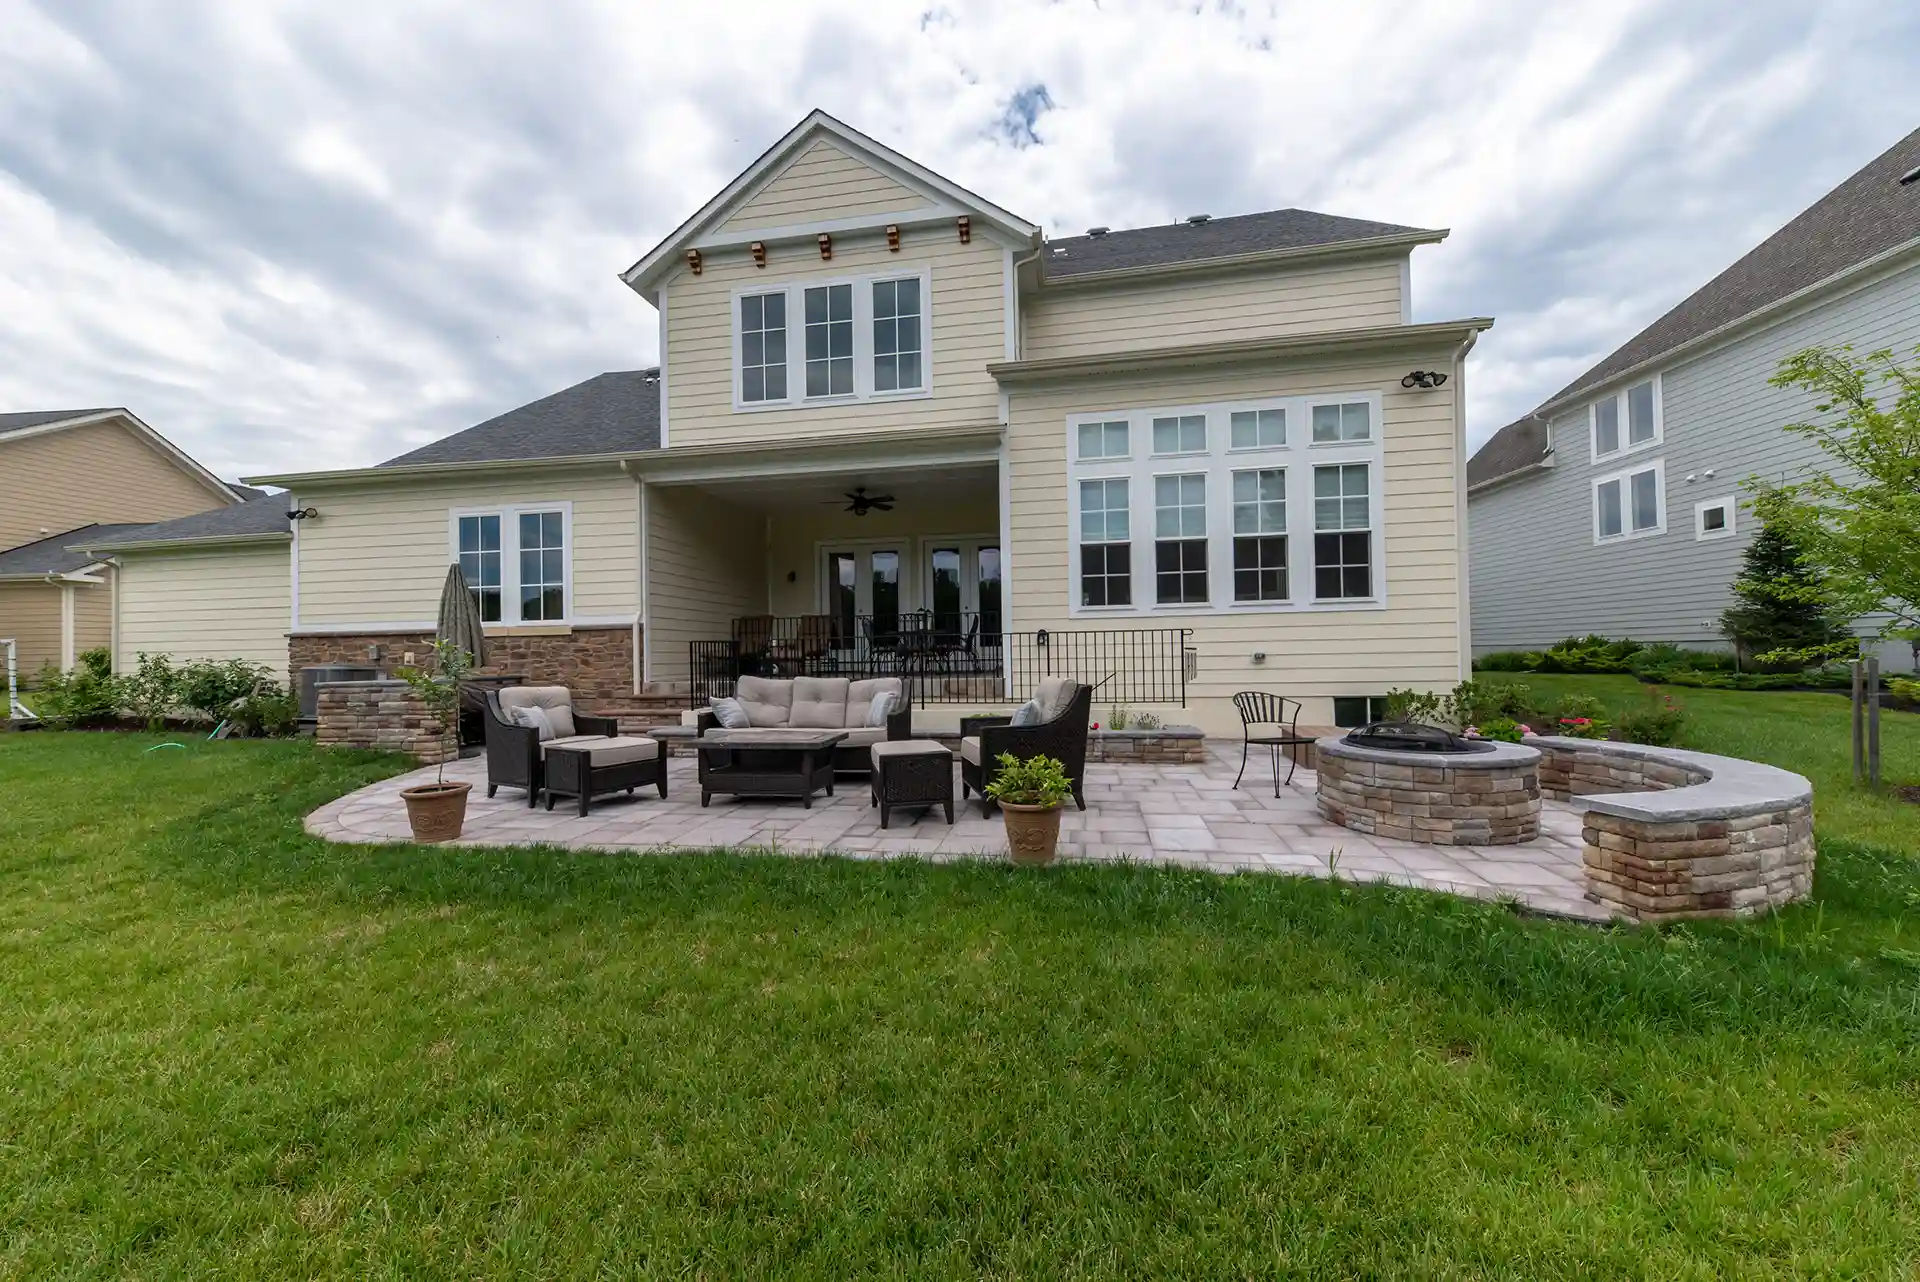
column 1465, row 605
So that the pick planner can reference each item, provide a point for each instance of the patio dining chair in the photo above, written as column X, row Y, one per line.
column 1271, row 721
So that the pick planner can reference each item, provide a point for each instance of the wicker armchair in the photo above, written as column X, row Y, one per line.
column 513, row 751
column 1064, row 739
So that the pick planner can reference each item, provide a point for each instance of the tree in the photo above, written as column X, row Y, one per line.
column 1857, row 526
column 1781, row 604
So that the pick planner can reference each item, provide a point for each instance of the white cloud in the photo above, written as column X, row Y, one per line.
column 298, row 236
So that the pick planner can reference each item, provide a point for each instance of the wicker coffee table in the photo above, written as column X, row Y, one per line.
column 911, row 772
column 767, row 763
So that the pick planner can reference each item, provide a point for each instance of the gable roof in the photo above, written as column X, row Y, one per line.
column 52, row 555
column 612, row 413
column 1232, row 237
column 645, row 274
column 254, row 520
column 1519, row 445
column 17, row 425
column 1869, row 215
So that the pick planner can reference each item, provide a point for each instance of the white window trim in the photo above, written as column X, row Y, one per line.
column 1701, row 534
column 509, row 515
column 1627, row 533
column 1099, row 460
column 796, row 294
column 1619, row 398
column 1219, row 464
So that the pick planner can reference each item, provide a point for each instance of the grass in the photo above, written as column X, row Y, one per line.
column 231, row 1050
column 1809, row 733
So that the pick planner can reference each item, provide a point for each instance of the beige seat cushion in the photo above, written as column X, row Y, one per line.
column 556, row 700
column 970, row 750
column 603, row 751
column 768, row 701
column 1054, row 694
column 860, row 698
column 907, row 748
column 819, row 703
column 861, row 735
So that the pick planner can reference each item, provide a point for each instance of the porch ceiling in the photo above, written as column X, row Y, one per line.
column 907, row 485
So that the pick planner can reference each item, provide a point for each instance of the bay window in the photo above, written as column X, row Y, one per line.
column 859, row 337
column 515, row 560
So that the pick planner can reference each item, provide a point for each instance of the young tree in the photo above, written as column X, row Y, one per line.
column 1781, row 604
column 1857, row 525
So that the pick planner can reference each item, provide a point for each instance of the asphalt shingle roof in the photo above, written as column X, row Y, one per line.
column 612, row 413
column 1216, row 238
column 264, row 515
column 21, row 421
column 1519, row 444
column 51, row 555
column 1867, row 215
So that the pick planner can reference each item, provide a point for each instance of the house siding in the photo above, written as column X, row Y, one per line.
column 1537, row 575
column 1246, row 303
column 93, row 616
column 379, row 555
column 207, row 603
column 101, row 472
column 30, row 615
column 1414, row 640
column 968, row 293
column 821, row 184
column 706, row 565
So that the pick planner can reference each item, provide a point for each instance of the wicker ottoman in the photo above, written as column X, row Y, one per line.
column 584, row 768
column 911, row 772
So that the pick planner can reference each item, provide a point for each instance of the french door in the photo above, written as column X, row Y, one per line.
column 865, row 581
column 963, row 581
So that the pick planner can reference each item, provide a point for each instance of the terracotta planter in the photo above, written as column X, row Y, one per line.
column 437, row 811
column 1033, row 832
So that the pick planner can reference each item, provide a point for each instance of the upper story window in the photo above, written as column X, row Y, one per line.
column 1714, row 518
column 516, row 561
column 1630, row 504
column 1627, row 420
column 1213, row 506
column 859, row 337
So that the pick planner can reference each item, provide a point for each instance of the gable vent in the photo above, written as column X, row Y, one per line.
column 1199, row 220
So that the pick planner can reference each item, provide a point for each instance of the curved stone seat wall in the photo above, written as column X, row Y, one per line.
column 1671, row 834
column 1479, row 799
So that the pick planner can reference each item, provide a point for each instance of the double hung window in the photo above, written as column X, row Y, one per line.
column 1630, row 504
column 1342, row 532
column 1180, row 539
column 1106, row 553
column 515, row 560
column 1626, row 421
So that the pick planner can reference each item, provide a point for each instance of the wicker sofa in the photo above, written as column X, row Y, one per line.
column 1066, row 709
column 823, row 703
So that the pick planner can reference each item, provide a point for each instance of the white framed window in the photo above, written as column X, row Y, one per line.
column 1342, row 532
column 517, row 560
column 858, row 337
column 1631, row 503
column 1103, row 439
column 1180, row 434
column 1342, row 423
column 1714, row 518
column 1212, row 502
column 1626, row 421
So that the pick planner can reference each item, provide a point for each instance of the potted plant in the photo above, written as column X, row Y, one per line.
column 438, row 810
column 1030, row 794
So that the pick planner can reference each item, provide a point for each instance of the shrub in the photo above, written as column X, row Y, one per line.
column 1037, row 781
column 268, row 710
column 90, row 695
column 1580, row 716
column 1782, row 606
column 1507, row 661
column 1414, row 705
column 211, row 689
column 1905, row 688
column 1659, row 723
column 1505, row 729
column 1118, row 718
column 1588, row 654
column 152, row 690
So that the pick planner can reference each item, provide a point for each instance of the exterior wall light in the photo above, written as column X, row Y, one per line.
column 303, row 513
column 1428, row 379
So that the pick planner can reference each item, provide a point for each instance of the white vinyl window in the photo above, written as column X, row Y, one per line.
column 1628, row 420
column 1180, row 539
column 1342, row 532
column 1105, row 440
column 1258, row 429
column 1342, row 423
column 1180, row 434
column 1714, row 519
column 833, row 340
column 516, row 561
column 1260, row 535
column 1630, row 504
column 1106, row 549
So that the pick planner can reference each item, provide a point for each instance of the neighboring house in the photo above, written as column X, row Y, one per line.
column 1208, row 432
column 63, row 473
column 1616, row 507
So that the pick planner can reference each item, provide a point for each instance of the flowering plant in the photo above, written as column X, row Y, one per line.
column 1504, row 729
column 1583, row 727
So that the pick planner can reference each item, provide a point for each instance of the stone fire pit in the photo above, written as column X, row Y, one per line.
column 1487, row 797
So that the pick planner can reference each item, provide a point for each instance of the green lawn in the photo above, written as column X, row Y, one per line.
column 1805, row 732
column 229, row 1050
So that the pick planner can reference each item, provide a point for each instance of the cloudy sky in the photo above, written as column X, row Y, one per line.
column 317, row 234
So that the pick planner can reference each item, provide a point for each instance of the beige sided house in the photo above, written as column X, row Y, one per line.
column 897, row 430
column 71, row 475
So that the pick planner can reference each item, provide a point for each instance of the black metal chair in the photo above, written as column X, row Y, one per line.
column 1258, row 709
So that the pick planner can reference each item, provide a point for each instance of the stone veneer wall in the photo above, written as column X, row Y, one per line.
column 1169, row 745
column 387, row 715
column 1444, row 805
column 595, row 663
column 1747, row 847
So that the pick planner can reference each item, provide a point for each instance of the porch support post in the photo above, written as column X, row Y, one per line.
column 66, row 627
column 1006, row 567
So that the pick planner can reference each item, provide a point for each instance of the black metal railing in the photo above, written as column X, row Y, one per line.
column 961, row 658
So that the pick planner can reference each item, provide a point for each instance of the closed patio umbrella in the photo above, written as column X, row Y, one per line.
column 460, row 617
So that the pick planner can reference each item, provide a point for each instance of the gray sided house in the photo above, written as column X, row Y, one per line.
column 1617, row 506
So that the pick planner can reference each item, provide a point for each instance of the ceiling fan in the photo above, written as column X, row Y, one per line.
column 859, row 502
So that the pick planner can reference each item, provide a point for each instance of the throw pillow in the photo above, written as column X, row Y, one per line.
column 732, row 716
column 1027, row 714
column 533, row 719
column 880, row 709
column 562, row 718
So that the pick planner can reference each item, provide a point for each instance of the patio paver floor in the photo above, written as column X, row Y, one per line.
column 1184, row 815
